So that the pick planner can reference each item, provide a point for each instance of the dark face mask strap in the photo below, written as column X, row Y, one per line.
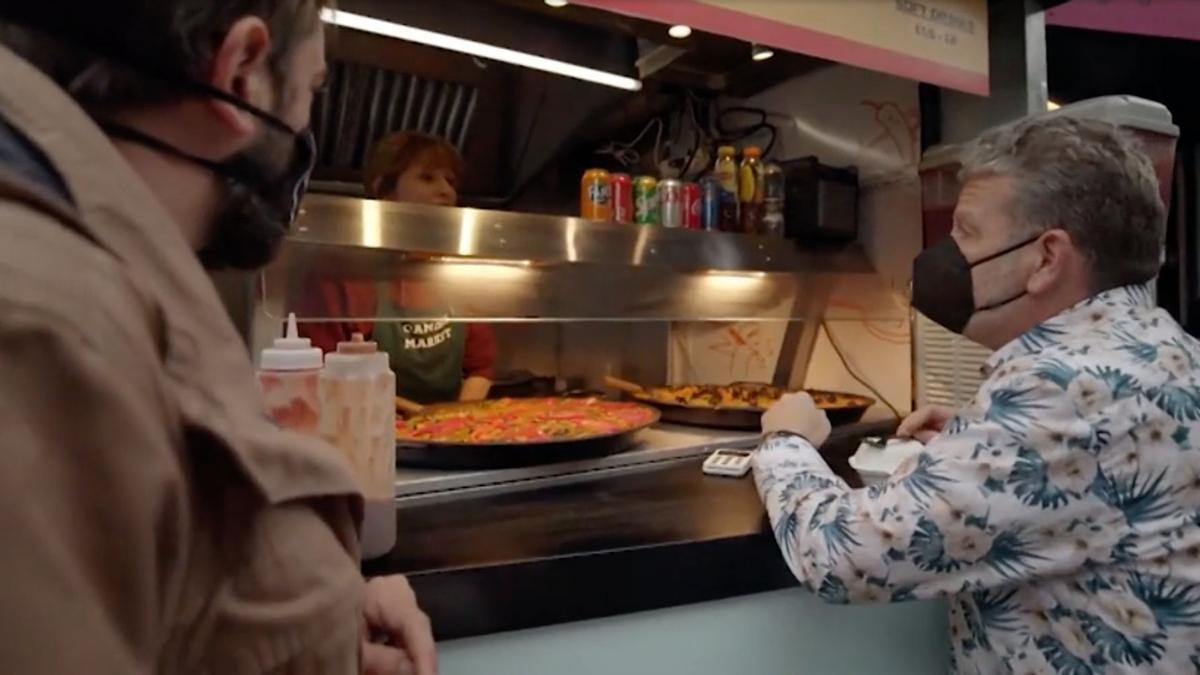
column 1010, row 249
column 212, row 92
column 116, row 130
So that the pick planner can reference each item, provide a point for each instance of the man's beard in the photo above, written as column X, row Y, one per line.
column 248, row 229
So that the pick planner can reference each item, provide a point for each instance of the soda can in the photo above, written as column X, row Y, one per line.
column 670, row 203
column 622, row 197
column 774, row 200
column 645, row 200
column 710, row 204
column 595, row 195
column 774, row 182
column 728, row 215
column 691, row 206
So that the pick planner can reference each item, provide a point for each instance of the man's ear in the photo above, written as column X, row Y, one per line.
column 241, row 67
column 1056, row 256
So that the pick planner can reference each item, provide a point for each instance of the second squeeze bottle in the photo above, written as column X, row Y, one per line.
column 358, row 416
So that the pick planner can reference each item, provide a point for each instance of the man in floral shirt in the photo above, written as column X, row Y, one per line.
column 1059, row 512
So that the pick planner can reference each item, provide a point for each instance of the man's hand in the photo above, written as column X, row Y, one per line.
column 926, row 423
column 385, row 660
column 798, row 414
column 390, row 610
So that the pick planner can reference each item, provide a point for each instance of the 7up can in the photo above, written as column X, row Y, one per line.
column 645, row 200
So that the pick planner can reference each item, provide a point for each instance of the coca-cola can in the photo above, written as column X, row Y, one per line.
column 670, row 203
column 692, row 203
column 622, row 197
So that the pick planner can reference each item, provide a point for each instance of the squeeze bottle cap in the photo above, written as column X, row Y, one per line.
column 291, row 352
column 357, row 345
column 752, row 151
column 726, row 150
column 356, row 358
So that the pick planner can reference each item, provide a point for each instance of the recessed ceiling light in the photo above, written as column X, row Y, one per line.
column 557, row 3
column 761, row 53
column 680, row 31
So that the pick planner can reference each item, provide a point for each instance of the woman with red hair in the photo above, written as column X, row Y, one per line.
column 434, row 361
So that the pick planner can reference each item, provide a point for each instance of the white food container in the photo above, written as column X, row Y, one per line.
column 875, row 463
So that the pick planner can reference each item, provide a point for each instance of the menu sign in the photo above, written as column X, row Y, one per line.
column 943, row 42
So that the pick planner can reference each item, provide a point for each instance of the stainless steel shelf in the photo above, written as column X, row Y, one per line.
column 528, row 238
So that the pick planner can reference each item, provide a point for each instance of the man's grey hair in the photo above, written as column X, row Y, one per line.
column 1088, row 178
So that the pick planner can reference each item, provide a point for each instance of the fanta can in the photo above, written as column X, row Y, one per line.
column 595, row 195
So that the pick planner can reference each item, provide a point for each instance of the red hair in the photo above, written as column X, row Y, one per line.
column 397, row 152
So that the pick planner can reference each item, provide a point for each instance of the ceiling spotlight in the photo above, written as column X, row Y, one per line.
column 557, row 3
column 761, row 53
column 680, row 31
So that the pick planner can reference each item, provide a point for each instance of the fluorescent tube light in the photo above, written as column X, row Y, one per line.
column 484, row 51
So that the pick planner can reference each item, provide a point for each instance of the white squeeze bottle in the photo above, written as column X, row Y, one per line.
column 288, row 378
column 358, row 416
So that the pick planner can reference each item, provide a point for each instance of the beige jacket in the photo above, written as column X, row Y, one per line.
column 152, row 519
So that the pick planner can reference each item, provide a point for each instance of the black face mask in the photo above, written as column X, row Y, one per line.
column 265, row 185
column 943, row 289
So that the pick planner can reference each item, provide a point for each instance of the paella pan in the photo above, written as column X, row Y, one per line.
column 517, row 432
column 735, row 406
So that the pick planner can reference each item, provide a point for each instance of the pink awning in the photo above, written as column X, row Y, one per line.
column 1162, row 18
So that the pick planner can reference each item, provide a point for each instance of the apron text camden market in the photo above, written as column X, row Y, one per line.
column 426, row 335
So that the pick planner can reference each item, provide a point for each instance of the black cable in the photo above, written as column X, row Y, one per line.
column 746, row 131
column 516, row 188
column 774, row 136
column 699, row 133
column 533, row 121
column 741, row 109
column 857, row 378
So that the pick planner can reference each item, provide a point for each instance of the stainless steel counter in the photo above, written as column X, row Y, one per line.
column 655, row 446
column 329, row 220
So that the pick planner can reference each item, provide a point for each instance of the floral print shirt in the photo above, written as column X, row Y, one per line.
column 1059, row 512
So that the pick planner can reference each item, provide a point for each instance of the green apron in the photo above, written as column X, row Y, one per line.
column 427, row 356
